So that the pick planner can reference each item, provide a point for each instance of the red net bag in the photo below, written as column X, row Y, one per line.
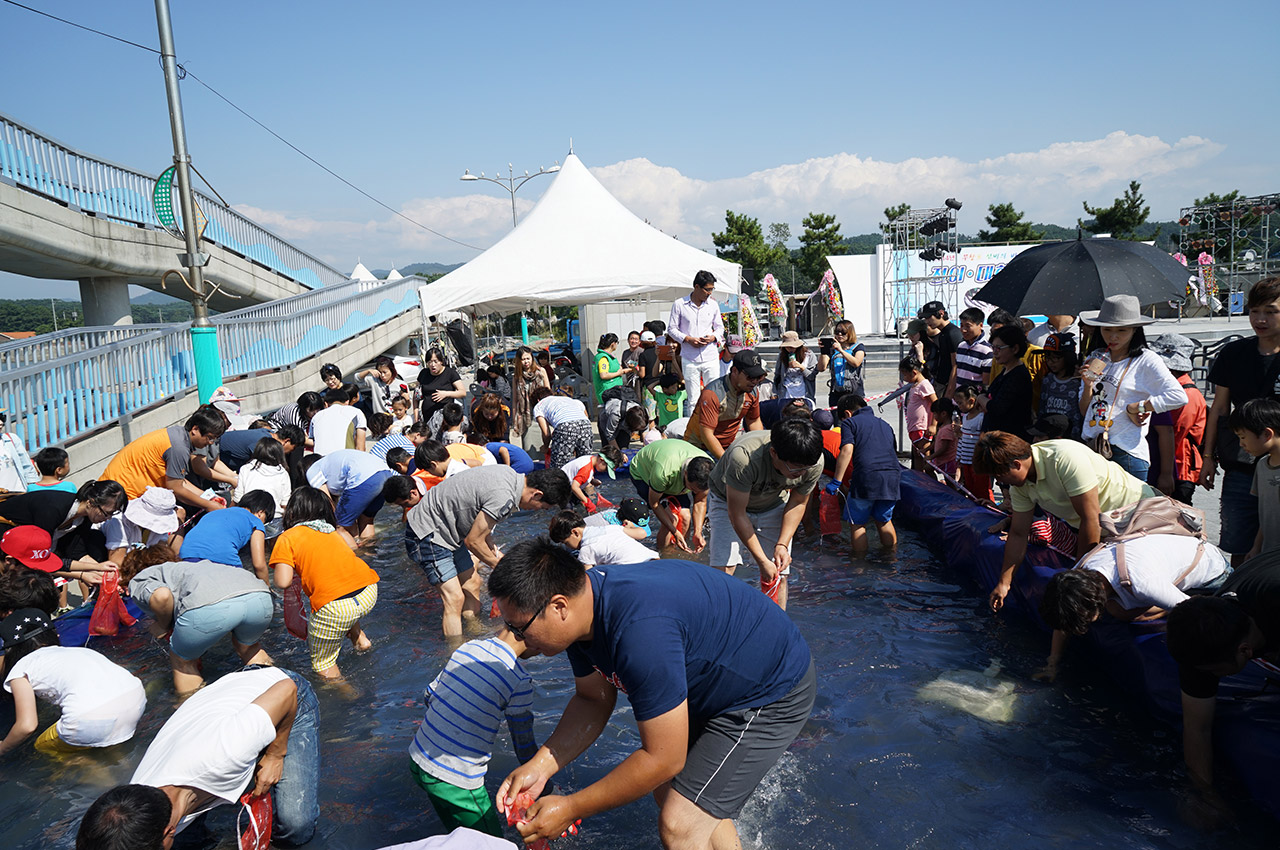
column 296, row 611
column 829, row 513
column 109, row 611
column 256, row 835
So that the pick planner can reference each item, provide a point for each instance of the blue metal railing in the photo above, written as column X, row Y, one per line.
column 87, row 378
column 103, row 189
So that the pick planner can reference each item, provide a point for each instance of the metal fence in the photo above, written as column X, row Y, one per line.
column 87, row 378
column 105, row 190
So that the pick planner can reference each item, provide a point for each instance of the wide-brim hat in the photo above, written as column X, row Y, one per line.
column 1118, row 311
column 155, row 510
column 791, row 339
column 1175, row 350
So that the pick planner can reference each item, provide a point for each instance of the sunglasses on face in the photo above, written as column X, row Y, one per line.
column 518, row 631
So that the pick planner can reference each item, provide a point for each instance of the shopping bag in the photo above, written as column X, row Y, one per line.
column 109, row 611
column 257, row 834
column 296, row 611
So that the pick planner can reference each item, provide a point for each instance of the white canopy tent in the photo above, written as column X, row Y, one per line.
column 577, row 246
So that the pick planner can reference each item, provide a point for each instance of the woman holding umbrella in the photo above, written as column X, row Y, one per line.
column 1123, row 384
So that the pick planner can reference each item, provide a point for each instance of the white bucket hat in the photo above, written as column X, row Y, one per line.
column 155, row 510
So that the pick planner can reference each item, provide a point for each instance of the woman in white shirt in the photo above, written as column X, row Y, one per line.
column 266, row 471
column 1122, row 384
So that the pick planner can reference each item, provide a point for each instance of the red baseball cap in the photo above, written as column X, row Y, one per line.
column 32, row 546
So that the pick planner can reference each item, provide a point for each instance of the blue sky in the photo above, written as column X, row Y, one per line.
column 681, row 109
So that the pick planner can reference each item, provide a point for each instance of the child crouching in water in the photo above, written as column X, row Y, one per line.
column 482, row 682
column 101, row 701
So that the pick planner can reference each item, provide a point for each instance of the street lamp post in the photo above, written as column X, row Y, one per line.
column 512, row 184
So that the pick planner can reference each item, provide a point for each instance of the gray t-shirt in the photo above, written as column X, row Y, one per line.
column 748, row 465
column 194, row 584
column 1266, row 486
column 450, row 508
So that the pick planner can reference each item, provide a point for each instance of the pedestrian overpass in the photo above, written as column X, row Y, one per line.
column 92, row 390
column 67, row 215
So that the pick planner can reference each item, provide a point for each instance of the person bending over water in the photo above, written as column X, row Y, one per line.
column 719, row 678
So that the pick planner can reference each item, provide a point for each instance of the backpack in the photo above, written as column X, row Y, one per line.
column 1153, row 515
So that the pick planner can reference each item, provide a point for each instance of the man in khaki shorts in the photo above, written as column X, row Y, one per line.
column 746, row 504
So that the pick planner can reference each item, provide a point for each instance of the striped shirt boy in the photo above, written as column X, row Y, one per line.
column 482, row 682
column 973, row 362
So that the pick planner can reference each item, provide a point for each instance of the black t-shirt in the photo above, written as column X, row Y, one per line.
column 1257, row 587
column 40, row 507
column 648, row 360
column 1009, row 403
column 1247, row 374
column 429, row 383
column 939, row 358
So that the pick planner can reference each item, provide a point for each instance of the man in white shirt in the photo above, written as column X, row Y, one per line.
column 1057, row 324
column 339, row 425
column 695, row 323
column 255, row 730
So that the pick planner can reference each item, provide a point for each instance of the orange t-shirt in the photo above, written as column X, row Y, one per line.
column 325, row 564
column 466, row 451
column 149, row 461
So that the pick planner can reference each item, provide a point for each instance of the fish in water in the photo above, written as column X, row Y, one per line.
column 981, row 694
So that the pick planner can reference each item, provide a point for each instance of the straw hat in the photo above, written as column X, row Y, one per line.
column 791, row 339
column 155, row 510
column 1118, row 311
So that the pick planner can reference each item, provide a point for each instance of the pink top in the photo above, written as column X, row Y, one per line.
column 918, row 406
column 944, row 446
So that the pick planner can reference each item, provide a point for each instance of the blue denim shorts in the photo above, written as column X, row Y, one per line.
column 858, row 511
column 246, row 616
column 439, row 564
column 365, row 499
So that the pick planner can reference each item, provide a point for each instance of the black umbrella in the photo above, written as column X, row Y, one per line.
column 1064, row 278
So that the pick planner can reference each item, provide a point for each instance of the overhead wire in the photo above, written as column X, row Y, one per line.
column 186, row 72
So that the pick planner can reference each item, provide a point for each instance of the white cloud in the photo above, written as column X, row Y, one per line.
column 1048, row 184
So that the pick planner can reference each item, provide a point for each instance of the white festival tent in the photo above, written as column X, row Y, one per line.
column 578, row 245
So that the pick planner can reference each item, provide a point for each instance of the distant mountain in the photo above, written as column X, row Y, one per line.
column 1165, row 234
column 158, row 298
column 423, row 269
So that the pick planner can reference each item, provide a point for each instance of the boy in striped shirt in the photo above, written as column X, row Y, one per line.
column 482, row 682
column 971, row 361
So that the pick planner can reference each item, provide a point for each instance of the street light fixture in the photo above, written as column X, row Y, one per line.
column 511, row 182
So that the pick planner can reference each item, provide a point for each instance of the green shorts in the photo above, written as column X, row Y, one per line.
column 459, row 806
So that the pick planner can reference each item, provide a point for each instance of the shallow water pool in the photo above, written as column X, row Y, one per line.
column 1075, row 765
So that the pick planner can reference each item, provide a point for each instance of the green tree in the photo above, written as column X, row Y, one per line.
column 1008, row 226
column 1123, row 218
column 779, row 234
column 821, row 238
column 1215, row 198
column 743, row 242
column 892, row 214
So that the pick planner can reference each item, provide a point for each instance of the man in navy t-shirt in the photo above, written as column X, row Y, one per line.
column 719, row 678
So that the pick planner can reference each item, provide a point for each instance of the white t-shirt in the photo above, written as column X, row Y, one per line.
column 1153, row 563
column 334, row 428
column 213, row 741
column 123, row 533
column 573, row 467
column 101, row 701
column 675, row 428
column 610, row 544
column 260, row 476
column 1139, row 378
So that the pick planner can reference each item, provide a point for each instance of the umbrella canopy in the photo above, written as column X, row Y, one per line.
column 1065, row 278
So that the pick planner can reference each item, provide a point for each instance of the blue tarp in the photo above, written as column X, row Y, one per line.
column 1247, row 723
